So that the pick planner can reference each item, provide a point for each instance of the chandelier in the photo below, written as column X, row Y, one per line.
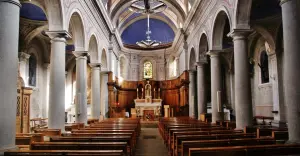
column 148, row 6
column 148, row 43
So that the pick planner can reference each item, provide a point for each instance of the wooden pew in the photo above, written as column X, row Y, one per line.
column 180, row 138
column 64, row 152
column 48, row 132
column 267, row 132
column 185, row 145
column 213, row 132
column 127, row 139
column 258, row 150
column 79, row 146
column 280, row 135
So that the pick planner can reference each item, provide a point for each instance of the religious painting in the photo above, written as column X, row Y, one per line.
column 148, row 73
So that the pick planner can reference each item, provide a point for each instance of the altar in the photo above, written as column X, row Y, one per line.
column 148, row 107
column 143, row 107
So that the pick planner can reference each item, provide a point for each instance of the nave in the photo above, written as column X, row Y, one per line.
column 178, row 136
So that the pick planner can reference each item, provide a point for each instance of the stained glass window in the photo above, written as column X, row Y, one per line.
column 148, row 74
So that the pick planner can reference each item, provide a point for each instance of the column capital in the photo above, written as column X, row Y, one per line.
column 46, row 65
column 200, row 63
column 23, row 56
column 59, row 34
column 214, row 53
column 80, row 53
column 239, row 34
column 192, row 71
column 283, row 1
column 95, row 65
column 15, row 2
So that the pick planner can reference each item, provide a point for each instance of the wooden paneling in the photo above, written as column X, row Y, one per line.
column 172, row 92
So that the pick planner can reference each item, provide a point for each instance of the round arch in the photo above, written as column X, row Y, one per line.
column 192, row 59
column 203, row 47
column 76, row 28
column 104, row 59
column 93, row 49
column 221, row 19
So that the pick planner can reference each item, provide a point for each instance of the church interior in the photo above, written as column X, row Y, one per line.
column 150, row 77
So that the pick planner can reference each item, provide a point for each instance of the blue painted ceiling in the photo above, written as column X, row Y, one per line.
column 161, row 32
column 32, row 12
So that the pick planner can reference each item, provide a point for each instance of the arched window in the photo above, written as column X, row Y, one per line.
column 264, row 67
column 172, row 68
column 148, row 73
column 32, row 71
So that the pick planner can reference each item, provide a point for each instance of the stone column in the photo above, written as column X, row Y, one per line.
column 9, row 32
column 291, row 73
column 216, row 85
column 242, row 86
column 56, row 110
column 201, row 93
column 81, row 87
column 96, row 109
column 192, row 88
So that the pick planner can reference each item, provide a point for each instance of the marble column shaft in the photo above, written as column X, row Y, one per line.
column 96, row 89
column 81, row 87
column 192, row 87
column 242, row 86
column 201, row 93
column 216, row 85
column 9, row 39
column 56, row 110
column 291, row 64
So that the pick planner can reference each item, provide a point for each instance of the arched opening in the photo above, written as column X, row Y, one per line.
column 264, row 67
column 221, row 28
column 192, row 63
column 104, row 59
column 93, row 49
column 32, row 71
column 205, row 59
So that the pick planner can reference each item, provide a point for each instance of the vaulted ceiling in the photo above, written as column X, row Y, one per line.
column 132, row 26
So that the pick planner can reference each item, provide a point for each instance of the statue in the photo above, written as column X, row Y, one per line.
column 148, row 89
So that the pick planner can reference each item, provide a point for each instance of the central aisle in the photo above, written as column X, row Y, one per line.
column 150, row 143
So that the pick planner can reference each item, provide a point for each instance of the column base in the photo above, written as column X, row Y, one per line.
column 279, row 124
column 293, row 142
column 4, row 149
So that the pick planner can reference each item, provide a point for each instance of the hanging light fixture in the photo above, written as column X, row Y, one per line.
column 148, row 43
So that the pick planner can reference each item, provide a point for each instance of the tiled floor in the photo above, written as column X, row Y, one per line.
column 150, row 143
